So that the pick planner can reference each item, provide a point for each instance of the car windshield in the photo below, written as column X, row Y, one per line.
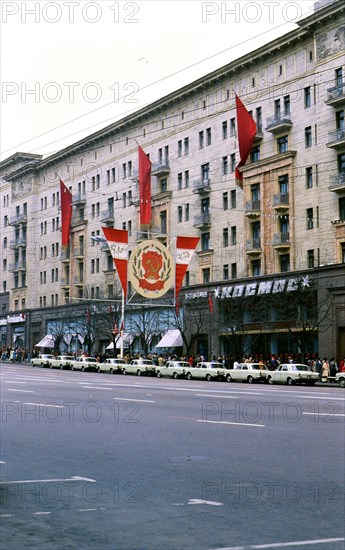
column 258, row 367
column 302, row 367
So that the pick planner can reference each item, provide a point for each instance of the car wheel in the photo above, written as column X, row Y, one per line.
column 124, row 371
column 159, row 374
column 270, row 380
column 139, row 372
column 111, row 371
column 175, row 375
column 250, row 379
column 83, row 368
column 208, row 377
column 189, row 376
column 99, row 369
column 50, row 366
column 72, row 368
column 289, row 382
column 342, row 382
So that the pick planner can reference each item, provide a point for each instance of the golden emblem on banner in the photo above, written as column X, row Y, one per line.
column 151, row 269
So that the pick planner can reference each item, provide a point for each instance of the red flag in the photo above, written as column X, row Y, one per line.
column 66, row 213
column 144, row 188
column 185, row 247
column 246, row 129
column 118, row 244
column 210, row 303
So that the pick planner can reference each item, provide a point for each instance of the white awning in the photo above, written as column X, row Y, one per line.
column 171, row 339
column 46, row 342
column 127, row 340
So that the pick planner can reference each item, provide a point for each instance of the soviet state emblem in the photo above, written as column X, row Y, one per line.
column 151, row 269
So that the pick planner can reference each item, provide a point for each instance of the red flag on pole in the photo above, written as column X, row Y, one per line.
column 66, row 213
column 210, row 303
column 144, row 188
column 118, row 244
column 246, row 129
column 185, row 247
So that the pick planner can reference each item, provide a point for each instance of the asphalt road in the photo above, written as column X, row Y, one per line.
column 111, row 462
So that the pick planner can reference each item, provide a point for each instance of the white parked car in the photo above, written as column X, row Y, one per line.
column 340, row 378
column 139, row 367
column 61, row 362
column 292, row 373
column 207, row 370
column 112, row 365
column 175, row 369
column 85, row 363
column 42, row 360
column 248, row 372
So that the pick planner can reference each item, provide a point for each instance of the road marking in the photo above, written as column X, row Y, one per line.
column 221, row 396
column 23, row 391
column 231, row 423
column 2, row 462
column 97, row 388
column 6, row 515
column 41, row 513
column 87, row 509
column 328, row 398
column 281, row 544
column 136, row 400
column 325, row 414
column 74, row 478
column 45, row 405
column 208, row 502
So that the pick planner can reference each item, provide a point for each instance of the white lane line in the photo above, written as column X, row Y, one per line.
column 73, row 478
column 281, row 544
column 87, row 509
column 328, row 398
column 120, row 385
column 325, row 414
column 231, row 423
column 12, row 382
column 135, row 400
column 23, row 391
column 2, row 462
column 220, row 396
column 41, row 513
column 97, row 388
column 6, row 515
column 208, row 502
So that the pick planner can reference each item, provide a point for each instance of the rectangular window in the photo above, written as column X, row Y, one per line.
column 307, row 97
column 225, row 165
column 233, row 235
column 163, row 184
column 225, row 201
column 186, row 146
column 341, row 208
column 205, row 241
column 308, row 138
column 186, row 212
column 225, row 129
column 124, row 200
column 233, row 162
column 338, row 76
column 186, row 178
column 287, row 105
column 225, row 272
column 311, row 259
column 283, row 144
column 233, row 271
column 285, row 263
column 93, row 183
column 208, row 136
column 201, row 139
column 255, row 153
column 310, row 218
column 225, row 237
column 179, row 214
column 206, row 275
column 256, row 268
column 179, row 148
column 233, row 198
column 232, row 127
column 309, row 177
column 179, row 180
column 205, row 168
column 113, row 176
column 258, row 119
column 277, row 108
column 124, row 170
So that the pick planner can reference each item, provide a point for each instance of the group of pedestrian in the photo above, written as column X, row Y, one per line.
column 15, row 355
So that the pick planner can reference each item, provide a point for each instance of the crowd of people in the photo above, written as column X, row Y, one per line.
column 326, row 368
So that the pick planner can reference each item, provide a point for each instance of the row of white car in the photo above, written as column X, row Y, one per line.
column 286, row 373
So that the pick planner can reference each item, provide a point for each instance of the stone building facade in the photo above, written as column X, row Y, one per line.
column 288, row 217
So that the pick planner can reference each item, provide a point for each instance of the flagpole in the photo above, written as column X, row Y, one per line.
column 122, row 321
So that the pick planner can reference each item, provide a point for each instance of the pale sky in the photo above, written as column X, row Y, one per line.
column 73, row 63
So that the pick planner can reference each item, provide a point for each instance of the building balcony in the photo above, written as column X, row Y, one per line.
column 78, row 220
column 203, row 221
column 281, row 201
column 19, row 219
column 160, row 168
column 259, row 136
column 159, row 233
column 21, row 242
column 78, row 280
column 253, row 246
column 78, row 200
column 79, row 253
column 104, row 246
column 279, row 123
column 337, row 182
column 336, row 139
column 20, row 265
column 336, row 95
column 64, row 283
column 65, row 255
column 253, row 209
column 281, row 241
column 107, row 217
column 202, row 186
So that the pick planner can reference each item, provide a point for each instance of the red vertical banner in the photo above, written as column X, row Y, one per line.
column 118, row 243
column 66, row 213
column 185, row 247
column 144, row 188
column 210, row 303
column 246, row 129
